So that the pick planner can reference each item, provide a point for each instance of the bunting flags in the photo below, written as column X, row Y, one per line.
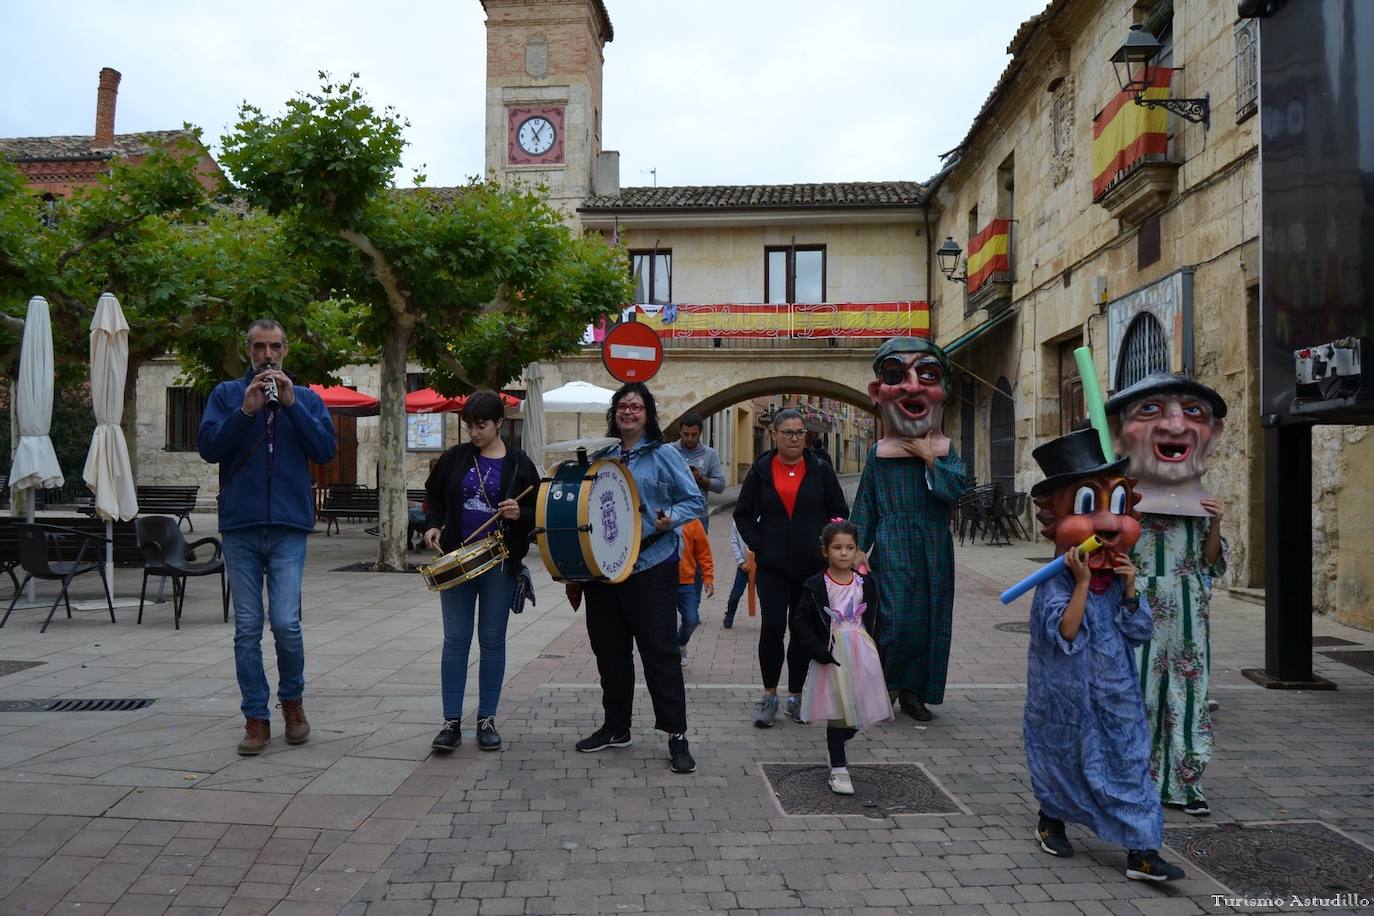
column 839, row 319
column 1125, row 133
column 989, row 252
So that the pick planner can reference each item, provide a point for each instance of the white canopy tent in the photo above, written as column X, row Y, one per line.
column 578, row 398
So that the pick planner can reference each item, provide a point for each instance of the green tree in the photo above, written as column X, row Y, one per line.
column 473, row 283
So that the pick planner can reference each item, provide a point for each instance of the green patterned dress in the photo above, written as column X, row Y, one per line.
column 902, row 512
column 1176, row 663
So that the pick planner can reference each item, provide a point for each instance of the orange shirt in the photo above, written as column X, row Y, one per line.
column 694, row 550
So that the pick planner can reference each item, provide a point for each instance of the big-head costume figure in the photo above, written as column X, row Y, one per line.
column 910, row 483
column 1168, row 427
column 1086, row 738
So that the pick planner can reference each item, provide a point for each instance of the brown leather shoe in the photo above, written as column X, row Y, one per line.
column 297, row 729
column 256, row 733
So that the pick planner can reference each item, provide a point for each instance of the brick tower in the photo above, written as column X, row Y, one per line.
column 544, row 61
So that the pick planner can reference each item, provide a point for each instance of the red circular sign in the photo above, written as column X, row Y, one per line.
column 632, row 352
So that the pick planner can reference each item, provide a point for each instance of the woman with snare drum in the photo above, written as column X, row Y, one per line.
column 472, row 482
column 642, row 610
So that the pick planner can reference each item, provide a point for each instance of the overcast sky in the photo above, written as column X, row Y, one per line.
column 703, row 91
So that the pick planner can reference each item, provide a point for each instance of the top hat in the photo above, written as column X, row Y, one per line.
column 1166, row 383
column 1076, row 456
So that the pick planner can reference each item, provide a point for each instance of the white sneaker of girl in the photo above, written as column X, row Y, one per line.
column 840, row 783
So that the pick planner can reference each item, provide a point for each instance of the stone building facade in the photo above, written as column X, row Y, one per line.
column 1161, row 269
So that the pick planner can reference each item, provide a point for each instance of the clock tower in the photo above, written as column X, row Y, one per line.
column 544, row 62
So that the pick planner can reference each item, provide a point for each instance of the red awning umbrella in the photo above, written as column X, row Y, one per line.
column 346, row 402
column 427, row 400
column 507, row 400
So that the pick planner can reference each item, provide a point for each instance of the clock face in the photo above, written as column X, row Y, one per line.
column 536, row 135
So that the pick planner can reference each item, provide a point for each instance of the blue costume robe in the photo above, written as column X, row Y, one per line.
column 1086, row 737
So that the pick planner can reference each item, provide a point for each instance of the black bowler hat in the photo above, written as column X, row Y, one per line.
column 1076, row 456
column 1166, row 383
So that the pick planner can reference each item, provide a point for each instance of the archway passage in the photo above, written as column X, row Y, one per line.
column 763, row 387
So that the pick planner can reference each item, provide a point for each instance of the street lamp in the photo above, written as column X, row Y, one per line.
column 1136, row 71
column 948, row 257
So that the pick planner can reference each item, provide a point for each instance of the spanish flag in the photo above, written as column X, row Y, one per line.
column 1125, row 133
column 989, row 252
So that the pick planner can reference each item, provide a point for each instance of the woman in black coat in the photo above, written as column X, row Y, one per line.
column 470, row 483
column 787, row 497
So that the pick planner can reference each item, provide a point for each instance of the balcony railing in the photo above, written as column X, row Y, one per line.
column 753, row 325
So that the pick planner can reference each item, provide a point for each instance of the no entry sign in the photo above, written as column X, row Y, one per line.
column 632, row 352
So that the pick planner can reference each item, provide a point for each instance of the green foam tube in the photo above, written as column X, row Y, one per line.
column 1092, row 396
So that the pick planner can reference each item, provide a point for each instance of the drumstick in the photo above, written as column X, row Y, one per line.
column 495, row 515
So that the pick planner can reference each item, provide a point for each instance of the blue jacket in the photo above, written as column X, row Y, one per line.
column 265, row 480
column 663, row 481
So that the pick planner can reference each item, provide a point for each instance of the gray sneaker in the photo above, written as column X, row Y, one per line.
column 766, row 710
column 793, row 710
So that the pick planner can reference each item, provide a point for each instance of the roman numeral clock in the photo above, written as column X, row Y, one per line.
column 535, row 136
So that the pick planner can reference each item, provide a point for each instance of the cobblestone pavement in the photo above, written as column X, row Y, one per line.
column 152, row 811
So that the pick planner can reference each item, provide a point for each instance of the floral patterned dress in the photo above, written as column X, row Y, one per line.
column 1175, row 663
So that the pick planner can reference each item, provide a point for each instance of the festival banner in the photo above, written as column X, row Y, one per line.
column 989, row 252
column 840, row 319
column 1125, row 133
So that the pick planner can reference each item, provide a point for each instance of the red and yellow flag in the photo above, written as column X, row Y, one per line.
column 988, row 252
column 1124, row 133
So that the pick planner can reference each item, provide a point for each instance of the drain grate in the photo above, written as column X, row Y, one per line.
column 1013, row 626
column 1362, row 660
column 1279, row 860
column 880, row 790
column 14, row 666
column 100, row 705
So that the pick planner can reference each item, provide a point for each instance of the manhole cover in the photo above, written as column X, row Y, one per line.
column 879, row 790
column 370, row 567
column 10, row 666
column 1277, row 860
column 1320, row 641
column 73, row 705
column 1362, row 660
column 1013, row 626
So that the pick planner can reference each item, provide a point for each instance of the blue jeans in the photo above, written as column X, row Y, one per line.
column 487, row 600
column 688, row 600
column 275, row 554
column 736, row 592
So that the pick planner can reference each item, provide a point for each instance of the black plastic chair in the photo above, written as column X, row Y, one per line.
column 40, row 555
column 166, row 553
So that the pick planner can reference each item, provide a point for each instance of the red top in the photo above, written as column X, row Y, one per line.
column 787, row 480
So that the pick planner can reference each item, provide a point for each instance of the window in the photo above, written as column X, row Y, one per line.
column 185, row 407
column 1073, row 407
column 652, row 272
column 1144, row 349
column 968, row 424
column 1002, row 437
column 794, row 273
column 1247, row 71
column 1006, row 206
column 1147, row 243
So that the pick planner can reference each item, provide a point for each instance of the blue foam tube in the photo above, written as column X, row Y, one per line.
column 1046, row 572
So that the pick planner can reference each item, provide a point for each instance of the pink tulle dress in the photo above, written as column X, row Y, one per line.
column 854, row 694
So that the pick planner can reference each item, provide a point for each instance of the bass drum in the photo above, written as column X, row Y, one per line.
column 587, row 521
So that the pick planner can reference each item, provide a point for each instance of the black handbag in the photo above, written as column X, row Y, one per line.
column 524, row 590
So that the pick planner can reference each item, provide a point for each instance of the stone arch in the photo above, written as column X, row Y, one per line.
column 778, row 384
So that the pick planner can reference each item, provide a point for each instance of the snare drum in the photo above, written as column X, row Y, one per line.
column 465, row 564
column 587, row 521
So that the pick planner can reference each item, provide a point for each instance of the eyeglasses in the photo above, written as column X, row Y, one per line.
column 892, row 371
column 790, row 433
column 630, row 408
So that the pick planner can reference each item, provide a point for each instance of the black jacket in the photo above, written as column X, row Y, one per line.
column 811, row 617
column 789, row 545
column 444, row 498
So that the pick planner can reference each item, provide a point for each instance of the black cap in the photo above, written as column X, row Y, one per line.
column 1166, row 383
column 1076, row 456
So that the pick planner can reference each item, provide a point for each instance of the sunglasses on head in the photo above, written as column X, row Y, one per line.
column 893, row 370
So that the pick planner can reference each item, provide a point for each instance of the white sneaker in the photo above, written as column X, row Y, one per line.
column 840, row 783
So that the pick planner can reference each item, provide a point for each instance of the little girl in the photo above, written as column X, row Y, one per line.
column 833, row 623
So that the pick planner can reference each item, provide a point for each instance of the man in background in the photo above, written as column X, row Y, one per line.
column 702, row 461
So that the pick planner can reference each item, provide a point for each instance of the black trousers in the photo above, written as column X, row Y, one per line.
column 641, row 611
column 778, row 595
column 834, row 741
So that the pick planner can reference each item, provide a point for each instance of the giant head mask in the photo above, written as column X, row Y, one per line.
column 1168, row 427
column 911, row 379
column 1082, row 495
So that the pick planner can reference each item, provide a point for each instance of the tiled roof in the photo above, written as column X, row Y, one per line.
column 837, row 195
column 19, row 149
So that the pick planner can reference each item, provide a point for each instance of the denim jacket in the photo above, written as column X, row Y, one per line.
column 664, row 482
